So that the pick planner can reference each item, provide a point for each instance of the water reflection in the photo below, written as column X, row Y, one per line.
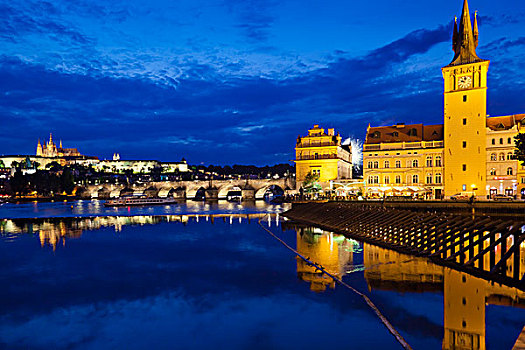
column 56, row 231
column 464, row 297
column 333, row 252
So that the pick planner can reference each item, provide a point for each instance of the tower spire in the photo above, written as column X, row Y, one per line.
column 476, row 31
column 455, row 35
column 466, row 42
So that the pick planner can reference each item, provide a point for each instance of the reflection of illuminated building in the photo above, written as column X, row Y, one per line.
column 464, row 296
column 406, row 273
column 330, row 251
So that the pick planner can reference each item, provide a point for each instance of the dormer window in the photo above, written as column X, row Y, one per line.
column 395, row 134
column 376, row 134
column 412, row 132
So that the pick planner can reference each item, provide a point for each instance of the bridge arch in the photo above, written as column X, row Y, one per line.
column 270, row 188
column 103, row 193
column 224, row 190
column 151, row 192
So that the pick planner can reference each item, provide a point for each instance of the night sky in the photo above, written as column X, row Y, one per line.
column 235, row 81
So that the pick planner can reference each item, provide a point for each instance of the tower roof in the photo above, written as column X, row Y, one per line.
column 465, row 39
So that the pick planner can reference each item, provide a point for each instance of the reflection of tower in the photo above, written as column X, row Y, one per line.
column 464, row 310
column 330, row 251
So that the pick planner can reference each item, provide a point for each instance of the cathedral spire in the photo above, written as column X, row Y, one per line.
column 465, row 40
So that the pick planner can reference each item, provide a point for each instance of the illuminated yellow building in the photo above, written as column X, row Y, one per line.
column 463, row 143
column 502, row 167
column 404, row 160
column 322, row 153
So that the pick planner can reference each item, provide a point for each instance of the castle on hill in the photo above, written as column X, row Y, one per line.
column 50, row 150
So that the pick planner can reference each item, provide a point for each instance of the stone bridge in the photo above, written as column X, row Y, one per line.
column 212, row 190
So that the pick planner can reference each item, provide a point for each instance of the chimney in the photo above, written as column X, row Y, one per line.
column 331, row 132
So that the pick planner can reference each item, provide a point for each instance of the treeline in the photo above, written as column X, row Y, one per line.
column 44, row 183
column 248, row 170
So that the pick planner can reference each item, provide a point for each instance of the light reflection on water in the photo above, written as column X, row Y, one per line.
column 94, row 207
column 203, row 281
column 465, row 298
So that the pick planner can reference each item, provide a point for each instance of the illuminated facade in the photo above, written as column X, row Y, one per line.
column 404, row 160
column 502, row 168
column 463, row 143
column 322, row 153
column 50, row 149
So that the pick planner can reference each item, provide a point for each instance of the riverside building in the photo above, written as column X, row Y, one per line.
column 322, row 153
column 468, row 153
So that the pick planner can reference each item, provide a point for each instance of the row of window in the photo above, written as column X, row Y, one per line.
column 509, row 141
column 493, row 171
column 410, row 163
column 509, row 156
column 374, row 179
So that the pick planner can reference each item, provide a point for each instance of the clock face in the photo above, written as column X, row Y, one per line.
column 464, row 82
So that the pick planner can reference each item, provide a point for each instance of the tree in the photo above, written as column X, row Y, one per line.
column 18, row 183
column 310, row 182
column 67, row 183
column 519, row 152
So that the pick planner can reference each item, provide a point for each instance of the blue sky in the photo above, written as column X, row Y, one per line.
column 235, row 81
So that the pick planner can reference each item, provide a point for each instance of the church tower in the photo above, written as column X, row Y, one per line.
column 465, row 112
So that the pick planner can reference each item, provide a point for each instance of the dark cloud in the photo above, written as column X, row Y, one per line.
column 38, row 17
column 254, row 17
column 210, row 117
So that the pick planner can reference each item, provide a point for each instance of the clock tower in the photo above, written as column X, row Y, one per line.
column 465, row 112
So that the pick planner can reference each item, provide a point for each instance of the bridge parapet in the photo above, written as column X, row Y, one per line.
column 188, row 189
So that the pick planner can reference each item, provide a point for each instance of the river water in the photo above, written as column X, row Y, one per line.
column 207, row 276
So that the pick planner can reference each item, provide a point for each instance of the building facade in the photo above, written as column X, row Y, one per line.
column 469, row 153
column 323, row 154
column 404, row 160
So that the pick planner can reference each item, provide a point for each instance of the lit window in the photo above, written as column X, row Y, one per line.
column 493, row 156
column 502, row 156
